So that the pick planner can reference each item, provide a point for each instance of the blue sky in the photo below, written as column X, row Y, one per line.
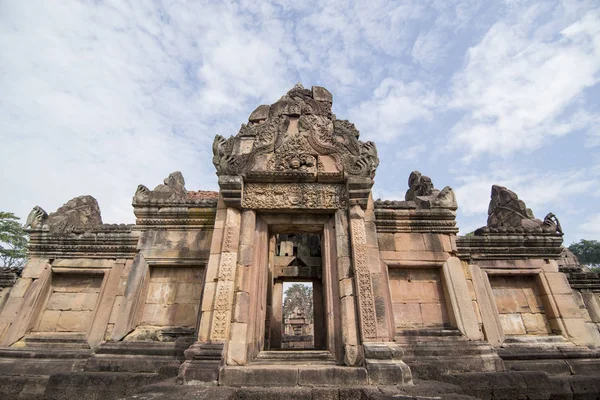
column 97, row 97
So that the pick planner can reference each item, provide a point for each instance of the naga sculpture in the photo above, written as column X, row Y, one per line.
column 425, row 195
column 506, row 210
column 172, row 188
column 36, row 218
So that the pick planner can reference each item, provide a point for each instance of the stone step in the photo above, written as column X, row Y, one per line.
column 56, row 340
column 30, row 387
column 294, row 357
column 292, row 375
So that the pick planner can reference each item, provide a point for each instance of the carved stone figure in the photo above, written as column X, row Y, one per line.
column 551, row 222
column 425, row 195
column 36, row 218
column 79, row 214
column 506, row 210
column 292, row 134
column 172, row 188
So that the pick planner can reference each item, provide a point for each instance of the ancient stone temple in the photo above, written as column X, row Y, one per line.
column 188, row 300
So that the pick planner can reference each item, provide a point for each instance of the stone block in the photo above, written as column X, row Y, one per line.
column 240, row 310
column 185, row 292
column 567, row 307
column 20, row 287
column 161, row 293
column 116, row 309
column 577, row 330
column 157, row 314
column 477, row 312
column 61, row 301
column 348, row 320
column 268, row 376
column 534, row 300
column 332, row 375
column 434, row 242
column 236, row 353
column 49, row 321
column 246, row 254
column 185, row 315
column 509, row 300
column 11, row 309
column 212, row 268
column 512, row 324
column 409, row 242
column 344, row 268
column 536, row 324
column 592, row 303
column 208, row 298
column 386, row 242
column 34, row 268
column 434, row 314
column 346, row 287
column 74, row 321
column 558, row 283
column 84, row 302
column 407, row 315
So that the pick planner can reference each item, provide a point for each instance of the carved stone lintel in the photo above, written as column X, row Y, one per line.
column 294, row 196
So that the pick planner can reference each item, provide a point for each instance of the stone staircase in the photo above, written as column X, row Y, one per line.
column 295, row 357
column 430, row 353
column 552, row 354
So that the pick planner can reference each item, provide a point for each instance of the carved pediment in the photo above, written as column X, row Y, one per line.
column 296, row 139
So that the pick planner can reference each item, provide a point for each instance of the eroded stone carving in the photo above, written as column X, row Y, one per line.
column 79, row 214
column 294, row 195
column 425, row 195
column 507, row 212
column 36, row 218
column 172, row 189
column 291, row 134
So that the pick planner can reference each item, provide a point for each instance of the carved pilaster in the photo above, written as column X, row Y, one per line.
column 366, row 304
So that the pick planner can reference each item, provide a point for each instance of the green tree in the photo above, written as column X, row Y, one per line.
column 13, row 241
column 588, row 253
column 299, row 295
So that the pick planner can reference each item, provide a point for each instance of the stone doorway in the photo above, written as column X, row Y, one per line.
column 296, row 320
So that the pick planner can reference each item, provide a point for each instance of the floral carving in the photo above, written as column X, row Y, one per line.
column 365, row 291
column 294, row 195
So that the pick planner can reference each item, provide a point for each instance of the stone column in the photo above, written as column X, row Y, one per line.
column 205, row 356
column 276, row 314
column 318, row 316
column 463, row 314
column 367, row 269
column 237, row 351
column 353, row 353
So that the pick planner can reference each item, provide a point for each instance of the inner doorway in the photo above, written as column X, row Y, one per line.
column 296, row 319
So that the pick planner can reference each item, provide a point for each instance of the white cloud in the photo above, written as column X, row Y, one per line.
column 520, row 81
column 590, row 229
column 393, row 106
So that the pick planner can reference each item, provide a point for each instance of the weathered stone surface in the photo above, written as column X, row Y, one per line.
column 78, row 214
column 422, row 192
column 506, row 210
column 296, row 131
